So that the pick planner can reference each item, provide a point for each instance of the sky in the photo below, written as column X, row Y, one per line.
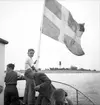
column 20, row 22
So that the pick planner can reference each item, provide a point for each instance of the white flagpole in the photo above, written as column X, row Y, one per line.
column 39, row 44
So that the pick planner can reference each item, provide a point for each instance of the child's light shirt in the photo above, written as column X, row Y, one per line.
column 29, row 63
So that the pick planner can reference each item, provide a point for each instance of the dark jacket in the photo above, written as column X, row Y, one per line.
column 46, row 88
column 12, row 77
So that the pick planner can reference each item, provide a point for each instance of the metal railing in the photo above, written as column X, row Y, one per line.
column 77, row 92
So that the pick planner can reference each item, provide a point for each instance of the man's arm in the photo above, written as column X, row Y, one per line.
column 1, row 89
column 20, row 77
column 29, row 64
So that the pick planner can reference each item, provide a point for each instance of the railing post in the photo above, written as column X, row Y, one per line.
column 77, row 96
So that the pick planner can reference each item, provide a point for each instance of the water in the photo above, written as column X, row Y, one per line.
column 87, row 83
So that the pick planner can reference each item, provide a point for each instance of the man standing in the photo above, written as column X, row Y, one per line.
column 29, row 94
column 11, row 92
column 43, row 86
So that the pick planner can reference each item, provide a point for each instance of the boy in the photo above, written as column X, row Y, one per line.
column 61, row 97
column 11, row 92
column 29, row 94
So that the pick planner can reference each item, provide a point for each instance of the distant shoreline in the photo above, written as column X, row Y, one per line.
column 67, row 71
column 63, row 71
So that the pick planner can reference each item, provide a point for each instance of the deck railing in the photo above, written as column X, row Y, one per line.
column 77, row 93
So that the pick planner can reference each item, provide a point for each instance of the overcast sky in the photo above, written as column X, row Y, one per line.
column 20, row 25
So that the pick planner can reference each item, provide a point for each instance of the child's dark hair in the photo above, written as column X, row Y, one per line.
column 31, row 50
column 10, row 65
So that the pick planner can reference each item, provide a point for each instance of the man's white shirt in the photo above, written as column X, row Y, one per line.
column 29, row 63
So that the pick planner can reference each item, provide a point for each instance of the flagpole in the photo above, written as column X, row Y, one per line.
column 38, row 53
column 39, row 44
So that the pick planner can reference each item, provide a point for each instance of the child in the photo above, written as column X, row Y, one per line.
column 61, row 97
column 29, row 94
column 11, row 91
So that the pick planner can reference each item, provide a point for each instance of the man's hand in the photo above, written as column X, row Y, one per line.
column 37, row 87
column 33, row 68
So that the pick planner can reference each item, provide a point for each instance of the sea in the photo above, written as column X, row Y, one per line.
column 87, row 85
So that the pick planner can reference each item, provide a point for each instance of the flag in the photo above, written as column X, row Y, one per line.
column 59, row 24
